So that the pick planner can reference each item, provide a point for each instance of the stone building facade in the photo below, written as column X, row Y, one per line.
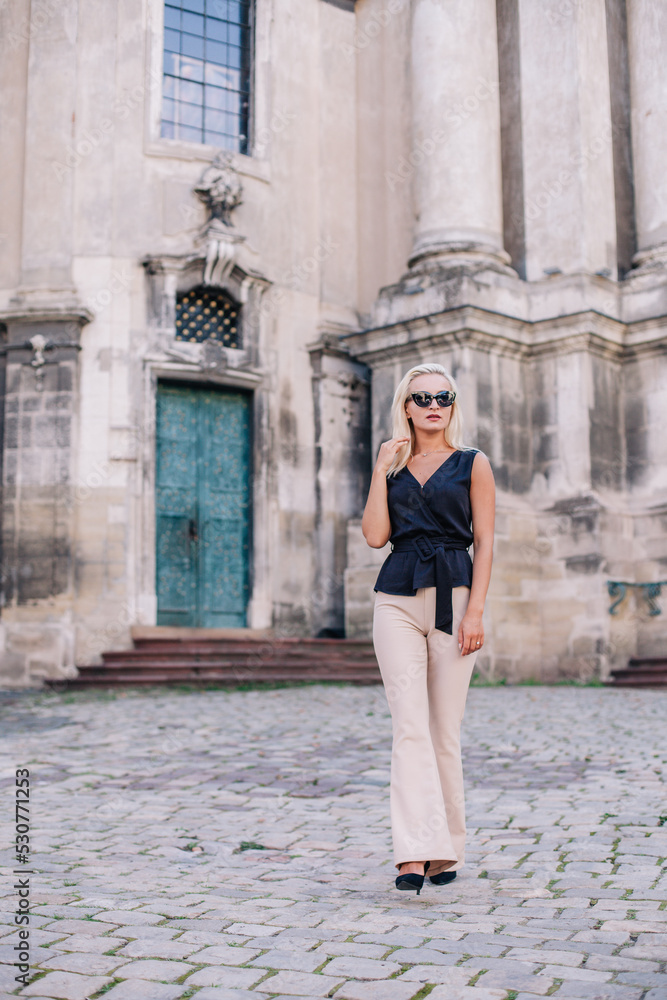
column 229, row 227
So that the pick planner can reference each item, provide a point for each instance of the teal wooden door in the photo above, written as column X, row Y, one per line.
column 202, row 506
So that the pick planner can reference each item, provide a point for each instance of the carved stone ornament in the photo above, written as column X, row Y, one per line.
column 220, row 188
column 38, row 344
column 220, row 251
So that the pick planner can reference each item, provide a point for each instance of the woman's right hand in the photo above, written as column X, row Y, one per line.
column 387, row 453
column 376, row 523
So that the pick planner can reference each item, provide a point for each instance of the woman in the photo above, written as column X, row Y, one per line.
column 432, row 497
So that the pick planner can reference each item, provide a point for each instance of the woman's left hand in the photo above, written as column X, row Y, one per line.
column 471, row 634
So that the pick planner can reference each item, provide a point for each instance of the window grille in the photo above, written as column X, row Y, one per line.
column 208, row 314
column 206, row 88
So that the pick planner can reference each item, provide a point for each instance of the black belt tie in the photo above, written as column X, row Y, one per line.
column 434, row 547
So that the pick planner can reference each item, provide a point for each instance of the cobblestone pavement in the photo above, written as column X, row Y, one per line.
column 230, row 845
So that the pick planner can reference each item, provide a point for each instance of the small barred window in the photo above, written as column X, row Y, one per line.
column 208, row 314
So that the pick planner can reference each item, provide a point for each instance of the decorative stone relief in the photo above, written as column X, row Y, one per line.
column 219, row 259
column 220, row 189
column 38, row 343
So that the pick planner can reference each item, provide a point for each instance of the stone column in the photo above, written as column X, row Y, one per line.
column 647, row 44
column 456, row 132
column 568, row 206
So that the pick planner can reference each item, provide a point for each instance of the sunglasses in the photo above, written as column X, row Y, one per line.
column 423, row 399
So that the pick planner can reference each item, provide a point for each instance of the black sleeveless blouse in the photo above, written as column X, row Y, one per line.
column 431, row 530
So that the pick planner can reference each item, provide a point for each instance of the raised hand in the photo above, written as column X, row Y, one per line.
column 387, row 453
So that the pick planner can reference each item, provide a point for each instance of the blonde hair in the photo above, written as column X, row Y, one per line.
column 402, row 427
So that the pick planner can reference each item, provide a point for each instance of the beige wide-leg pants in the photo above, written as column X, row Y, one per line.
column 426, row 681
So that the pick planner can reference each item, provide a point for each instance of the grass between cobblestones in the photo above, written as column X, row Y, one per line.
column 478, row 680
column 39, row 695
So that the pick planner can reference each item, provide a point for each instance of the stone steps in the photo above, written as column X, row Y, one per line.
column 230, row 661
column 650, row 671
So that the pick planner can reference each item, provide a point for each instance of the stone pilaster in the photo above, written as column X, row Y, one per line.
column 52, row 150
column 647, row 39
column 456, row 133
column 38, row 543
column 342, row 469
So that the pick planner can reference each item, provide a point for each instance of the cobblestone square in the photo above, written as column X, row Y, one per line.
column 235, row 844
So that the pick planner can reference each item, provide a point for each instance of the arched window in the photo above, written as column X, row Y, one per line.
column 208, row 314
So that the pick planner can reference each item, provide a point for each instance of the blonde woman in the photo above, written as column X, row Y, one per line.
column 433, row 498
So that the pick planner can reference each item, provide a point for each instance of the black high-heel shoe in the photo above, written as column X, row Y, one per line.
column 442, row 878
column 412, row 881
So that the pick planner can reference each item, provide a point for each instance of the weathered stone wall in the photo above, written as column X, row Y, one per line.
column 41, row 400
column 93, row 192
column 552, row 411
column 385, row 195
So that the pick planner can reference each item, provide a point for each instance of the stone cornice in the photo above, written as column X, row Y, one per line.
column 497, row 333
column 331, row 346
column 647, row 337
column 42, row 313
column 330, row 359
column 245, row 378
column 177, row 263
